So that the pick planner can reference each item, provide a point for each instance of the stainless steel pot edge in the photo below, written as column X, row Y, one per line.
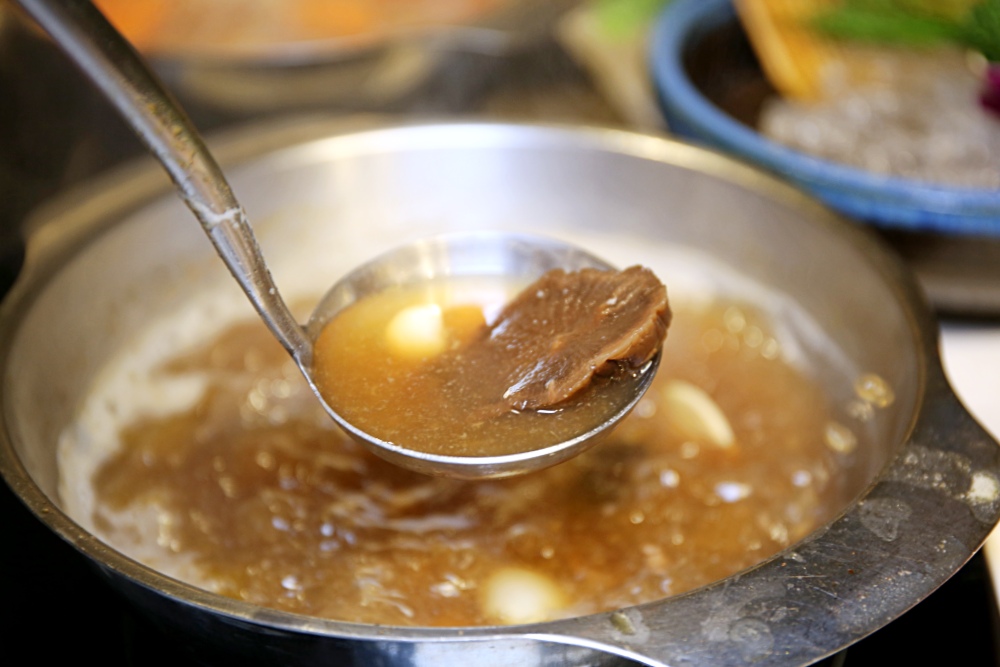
column 805, row 603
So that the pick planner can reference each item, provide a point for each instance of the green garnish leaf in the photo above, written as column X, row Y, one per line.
column 981, row 29
column 623, row 18
column 917, row 23
column 880, row 27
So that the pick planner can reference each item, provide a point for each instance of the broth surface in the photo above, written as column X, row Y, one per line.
column 725, row 462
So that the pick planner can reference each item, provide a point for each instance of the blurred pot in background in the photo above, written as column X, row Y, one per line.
column 266, row 59
column 243, row 58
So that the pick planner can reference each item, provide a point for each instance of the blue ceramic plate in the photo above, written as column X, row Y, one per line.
column 883, row 200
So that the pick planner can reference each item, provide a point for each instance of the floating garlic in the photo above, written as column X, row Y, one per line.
column 416, row 331
column 514, row 595
column 695, row 415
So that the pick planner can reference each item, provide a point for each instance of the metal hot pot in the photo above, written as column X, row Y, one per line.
column 924, row 489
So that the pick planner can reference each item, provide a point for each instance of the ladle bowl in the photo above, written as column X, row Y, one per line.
column 518, row 257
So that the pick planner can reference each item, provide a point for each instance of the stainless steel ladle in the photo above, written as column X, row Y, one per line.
column 121, row 74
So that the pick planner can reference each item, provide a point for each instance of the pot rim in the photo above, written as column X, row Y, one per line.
column 663, row 629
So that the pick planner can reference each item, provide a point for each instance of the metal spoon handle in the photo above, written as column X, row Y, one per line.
column 114, row 66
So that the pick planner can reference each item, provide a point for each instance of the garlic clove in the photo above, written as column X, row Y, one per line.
column 515, row 595
column 695, row 415
column 416, row 332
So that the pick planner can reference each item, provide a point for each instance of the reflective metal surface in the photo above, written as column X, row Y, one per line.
column 926, row 480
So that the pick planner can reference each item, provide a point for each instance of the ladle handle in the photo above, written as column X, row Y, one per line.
column 114, row 66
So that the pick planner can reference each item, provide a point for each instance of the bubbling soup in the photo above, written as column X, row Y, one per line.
column 247, row 488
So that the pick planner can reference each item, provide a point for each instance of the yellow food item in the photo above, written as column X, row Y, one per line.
column 800, row 63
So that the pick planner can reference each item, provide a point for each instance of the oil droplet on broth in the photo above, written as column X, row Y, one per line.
column 873, row 389
column 840, row 438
